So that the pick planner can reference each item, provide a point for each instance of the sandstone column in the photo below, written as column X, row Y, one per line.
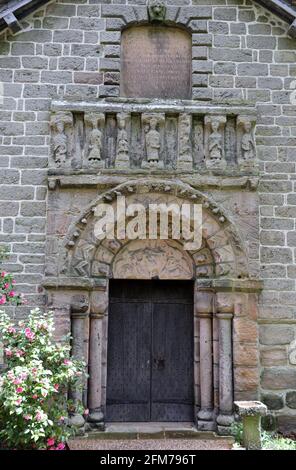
column 98, row 307
column 204, row 310
column 224, row 315
column 79, row 314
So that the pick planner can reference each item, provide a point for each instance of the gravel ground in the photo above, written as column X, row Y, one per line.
column 150, row 444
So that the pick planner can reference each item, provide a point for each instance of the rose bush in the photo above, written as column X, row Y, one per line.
column 33, row 388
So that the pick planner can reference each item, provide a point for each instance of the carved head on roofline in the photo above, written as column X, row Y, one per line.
column 156, row 10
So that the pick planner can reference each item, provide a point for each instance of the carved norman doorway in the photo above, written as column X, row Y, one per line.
column 150, row 351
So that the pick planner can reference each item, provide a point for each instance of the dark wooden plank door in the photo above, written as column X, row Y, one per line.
column 150, row 351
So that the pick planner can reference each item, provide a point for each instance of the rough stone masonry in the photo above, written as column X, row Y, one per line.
column 60, row 67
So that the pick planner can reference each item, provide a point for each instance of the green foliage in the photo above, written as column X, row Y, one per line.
column 3, row 253
column 274, row 441
column 33, row 389
column 270, row 440
column 7, row 292
column 237, row 432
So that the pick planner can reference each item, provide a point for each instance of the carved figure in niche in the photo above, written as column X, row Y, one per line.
column 152, row 141
column 184, row 161
column 122, row 149
column 95, row 141
column 215, row 158
column 156, row 10
column 246, row 142
column 58, row 122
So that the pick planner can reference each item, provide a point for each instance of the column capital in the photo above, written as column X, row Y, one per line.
column 98, row 302
column 203, row 302
column 79, row 306
column 225, row 302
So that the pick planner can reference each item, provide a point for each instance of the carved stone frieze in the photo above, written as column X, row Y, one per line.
column 122, row 160
column 214, row 142
column 184, row 161
column 60, row 123
column 152, row 137
column 153, row 140
column 246, row 147
column 94, row 123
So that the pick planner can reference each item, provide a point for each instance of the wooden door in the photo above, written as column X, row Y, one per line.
column 150, row 351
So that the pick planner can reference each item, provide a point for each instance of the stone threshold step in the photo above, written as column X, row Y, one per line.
column 156, row 434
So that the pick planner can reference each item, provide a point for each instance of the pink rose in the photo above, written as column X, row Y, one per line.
column 11, row 293
column 19, row 390
column 6, row 285
column 86, row 412
column 56, row 387
column 27, row 417
column 2, row 299
column 60, row 446
column 8, row 352
column 19, row 401
column 38, row 416
column 29, row 334
column 35, row 396
column 3, row 274
column 11, row 329
column 50, row 442
column 67, row 362
column 19, row 353
column 17, row 381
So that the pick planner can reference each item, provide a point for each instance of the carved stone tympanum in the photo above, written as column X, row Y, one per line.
column 95, row 123
column 59, row 121
column 152, row 259
column 215, row 158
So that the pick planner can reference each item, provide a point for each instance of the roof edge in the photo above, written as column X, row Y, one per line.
column 19, row 9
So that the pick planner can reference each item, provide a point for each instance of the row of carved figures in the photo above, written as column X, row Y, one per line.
column 214, row 131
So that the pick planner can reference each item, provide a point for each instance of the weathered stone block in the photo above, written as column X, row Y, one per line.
column 273, row 401
column 278, row 378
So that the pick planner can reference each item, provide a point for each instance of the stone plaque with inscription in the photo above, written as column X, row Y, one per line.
column 155, row 62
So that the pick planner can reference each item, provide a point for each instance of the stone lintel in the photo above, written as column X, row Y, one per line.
column 74, row 283
column 231, row 285
column 153, row 106
column 111, row 177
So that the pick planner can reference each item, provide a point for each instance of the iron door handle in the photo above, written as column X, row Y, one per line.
column 159, row 363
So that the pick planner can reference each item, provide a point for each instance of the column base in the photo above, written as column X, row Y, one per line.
column 78, row 423
column 224, row 430
column 95, row 420
column 225, row 420
column 206, row 425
